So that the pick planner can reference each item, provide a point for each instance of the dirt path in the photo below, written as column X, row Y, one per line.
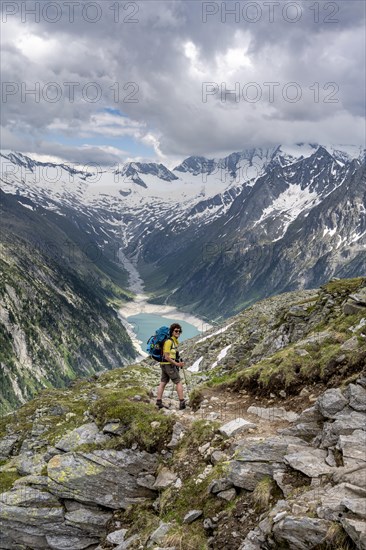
column 225, row 405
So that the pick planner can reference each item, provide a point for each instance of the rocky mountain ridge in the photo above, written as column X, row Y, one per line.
column 231, row 231
column 269, row 455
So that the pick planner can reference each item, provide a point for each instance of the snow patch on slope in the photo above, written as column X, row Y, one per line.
column 289, row 205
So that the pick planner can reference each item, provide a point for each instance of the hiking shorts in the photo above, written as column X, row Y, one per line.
column 169, row 372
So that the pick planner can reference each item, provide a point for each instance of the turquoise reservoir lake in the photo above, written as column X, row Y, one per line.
column 145, row 324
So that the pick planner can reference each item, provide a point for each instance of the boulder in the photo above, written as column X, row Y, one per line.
column 304, row 430
column 192, row 515
column 359, row 297
column 228, row 495
column 246, row 475
column 165, row 478
column 37, row 482
column 272, row 449
column 332, row 500
column 117, row 537
column 146, row 480
column 61, row 542
column 30, row 464
column 312, row 414
column 331, row 402
column 178, row 432
column 35, row 519
column 356, row 530
column 114, row 428
column 356, row 506
column 350, row 308
column 236, row 426
column 344, row 424
column 219, row 485
column 89, row 520
column 127, row 543
column 87, row 433
column 218, row 456
column 353, row 448
column 7, row 444
column 300, row 533
column 309, row 461
column 159, row 534
column 356, row 475
column 356, row 395
column 105, row 477
column 351, row 344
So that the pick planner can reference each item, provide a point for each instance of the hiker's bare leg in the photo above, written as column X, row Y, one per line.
column 161, row 389
column 180, row 390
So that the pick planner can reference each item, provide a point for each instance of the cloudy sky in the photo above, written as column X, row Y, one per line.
column 108, row 81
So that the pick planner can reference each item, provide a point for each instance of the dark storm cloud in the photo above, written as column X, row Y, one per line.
column 305, row 60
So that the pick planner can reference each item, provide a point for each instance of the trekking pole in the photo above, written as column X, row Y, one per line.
column 185, row 379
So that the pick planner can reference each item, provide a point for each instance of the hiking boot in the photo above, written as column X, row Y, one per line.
column 182, row 404
column 159, row 404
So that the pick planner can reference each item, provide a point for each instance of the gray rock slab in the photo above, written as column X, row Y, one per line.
column 8, row 544
column 356, row 530
column 117, row 537
column 350, row 308
column 192, row 515
column 178, row 433
column 29, row 516
column 32, row 481
column 92, row 521
column 301, row 533
column 359, row 297
column 332, row 499
column 22, row 541
column 351, row 344
column 353, row 447
column 219, row 485
column 24, row 496
column 317, row 338
column 127, row 543
column 165, row 478
column 312, row 414
column 7, row 444
column 87, row 433
column 356, row 505
column 246, row 475
column 354, row 475
column 218, row 456
column 107, row 477
column 272, row 449
column 58, row 542
column 356, row 395
column 331, row 402
column 114, row 428
column 30, row 464
column 146, row 480
column 309, row 461
column 273, row 414
column 228, row 495
column 305, row 430
column 236, row 426
column 159, row 534
column 344, row 424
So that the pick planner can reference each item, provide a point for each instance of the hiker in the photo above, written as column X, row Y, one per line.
column 170, row 366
